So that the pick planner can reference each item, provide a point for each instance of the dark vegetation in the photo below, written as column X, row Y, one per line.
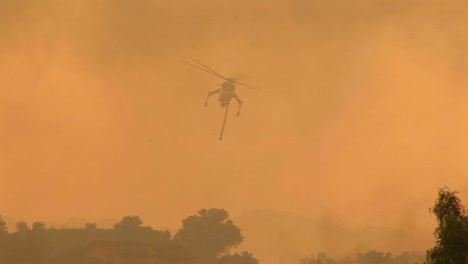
column 205, row 238
column 371, row 257
column 452, row 231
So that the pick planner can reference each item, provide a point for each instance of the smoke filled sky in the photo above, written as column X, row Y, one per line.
column 362, row 116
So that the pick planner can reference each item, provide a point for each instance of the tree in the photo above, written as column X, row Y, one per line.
column 90, row 231
column 208, row 234
column 373, row 257
column 22, row 226
column 320, row 258
column 408, row 258
column 452, row 231
column 23, row 231
column 3, row 229
column 128, row 227
column 90, row 227
column 129, row 223
column 38, row 239
column 3, row 238
column 244, row 258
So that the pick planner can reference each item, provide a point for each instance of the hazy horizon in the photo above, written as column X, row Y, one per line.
column 361, row 118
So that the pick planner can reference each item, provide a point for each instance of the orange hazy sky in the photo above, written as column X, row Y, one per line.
column 362, row 116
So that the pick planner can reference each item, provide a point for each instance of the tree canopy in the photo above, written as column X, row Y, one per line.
column 3, row 228
column 452, row 231
column 209, row 234
column 244, row 258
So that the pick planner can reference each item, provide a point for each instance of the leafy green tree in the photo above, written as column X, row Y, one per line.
column 452, row 231
column 208, row 235
column 244, row 258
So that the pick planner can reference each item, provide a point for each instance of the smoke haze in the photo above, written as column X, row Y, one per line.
column 362, row 116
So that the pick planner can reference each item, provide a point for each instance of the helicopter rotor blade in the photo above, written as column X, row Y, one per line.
column 243, row 84
column 208, row 68
column 248, row 86
column 200, row 68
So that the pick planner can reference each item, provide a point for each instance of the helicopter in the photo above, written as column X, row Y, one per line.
column 226, row 92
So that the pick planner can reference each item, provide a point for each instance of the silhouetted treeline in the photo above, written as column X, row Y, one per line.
column 370, row 257
column 204, row 238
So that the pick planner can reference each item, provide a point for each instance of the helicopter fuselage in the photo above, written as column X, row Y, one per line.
column 226, row 93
